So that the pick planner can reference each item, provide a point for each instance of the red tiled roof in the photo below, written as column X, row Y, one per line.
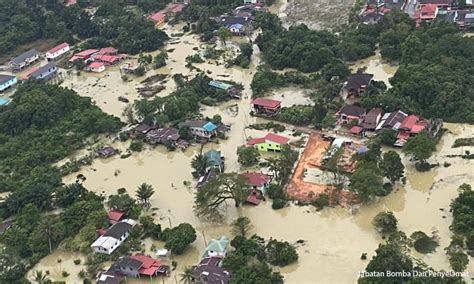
column 147, row 261
column 419, row 127
column 276, row 138
column 356, row 129
column 253, row 199
column 107, row 58
column 108, row 50
column 56, row 48
column 101, row 232
column 158, row 16
column 115, row 215
column 176, row 8
column 256, row 141
column 268, row 103
column 96, row 64
column 255, row 179
column 28, row 74
column 409, row 121
column 86, row 53
column 71, row 2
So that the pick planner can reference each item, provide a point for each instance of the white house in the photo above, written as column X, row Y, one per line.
column 114, row 237
column 97, row 67
column 57, row 51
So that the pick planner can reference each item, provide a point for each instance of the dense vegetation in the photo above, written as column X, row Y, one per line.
column 42, row 125
column 26, row 21
column 435, row 78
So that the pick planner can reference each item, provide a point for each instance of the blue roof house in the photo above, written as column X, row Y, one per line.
column 217, row 248
column 200, row 128
column 6, row 81
column 216, row 160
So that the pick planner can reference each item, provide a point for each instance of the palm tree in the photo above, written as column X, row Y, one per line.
column 200, row 163
column 187, row 275
column 144, row 192
column 40, row 277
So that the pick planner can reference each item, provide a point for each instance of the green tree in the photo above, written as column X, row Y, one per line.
column 160, row 60
column 214, row 195
column 178, row 238
column 366, row 181
column 121, row 202
column 458, row 260
column 187, row 275
column 248, row 156
column 241, row 226
column 280, row 253
column 423, row 243
column 144, row 193
column 385, row 222
column 185, row 133
column 224, row 34
column 420, row 147
column 387, row 137
column 392, row 166
column 41, row 277
column 200, row 163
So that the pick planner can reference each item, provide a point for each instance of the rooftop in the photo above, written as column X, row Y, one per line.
column 255, row 179
column 356, row 81
column 269, row 103
column 5, row 78
column 220, row 85
column 58, row 47
column 118, row 229
column 96, row 64
column 22, row 57
column 352, row 110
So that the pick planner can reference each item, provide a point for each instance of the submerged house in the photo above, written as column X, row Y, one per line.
column 201, row 128
column 113, row 237
column 271, row 142
column 257, row 183
column 7, row 81
column 23, row 60
column 351, row 114
column 139, row 265
column 162, row 135
column 372, row 119
column 57, row 51
column 411, row 126
column 43, row 73
column 356, row 84
column 391, row 120
column 209, row 270
column 236, row 24
column 97, row 67
column 217, row 248
column 265, row 107
column 230, row 89
column 106, row 152
column 216, row 160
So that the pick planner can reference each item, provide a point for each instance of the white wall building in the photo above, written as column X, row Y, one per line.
column 114, row 237
column 57, row 51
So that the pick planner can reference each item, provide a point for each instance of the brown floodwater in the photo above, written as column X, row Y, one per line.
column 382, row 71
column 334, row 238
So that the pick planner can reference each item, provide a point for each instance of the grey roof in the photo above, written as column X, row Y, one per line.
column 391, row 4
column 352, row 110
column 22, row 57
column 193, row 123
column 355, row 81
column 43, row 69
column 118, row 230
column 5, row 78
column 231, row 20
column 209, row 272
column 128, row 262
column 5, row 226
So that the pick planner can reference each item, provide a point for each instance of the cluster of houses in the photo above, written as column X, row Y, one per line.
column 423, row 11
column 375, row 120
column 96, row 60
column 209, row 269
column 170, row 11
column 230, row 89
column 240, row 21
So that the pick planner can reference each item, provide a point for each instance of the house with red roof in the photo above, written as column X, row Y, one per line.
column 139, row 265
column 426, row 12
column 97, row 67
column 115, row 216
column 162, row 16
column 271, row 142
column 57, row 51
column 265, row 107
column 257, row 183
column 83, row 55
column 411, row 126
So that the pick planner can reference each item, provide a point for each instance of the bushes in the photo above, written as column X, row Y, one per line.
column 136, row 146
column 248, row 156
column 278, row 203
column 321, row 202
column 178, row 238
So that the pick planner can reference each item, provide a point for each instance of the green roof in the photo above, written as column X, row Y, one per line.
column 218, row 246
column 214, row 157
column 220, row 85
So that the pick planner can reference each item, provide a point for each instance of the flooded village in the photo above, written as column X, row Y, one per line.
column 329, row 241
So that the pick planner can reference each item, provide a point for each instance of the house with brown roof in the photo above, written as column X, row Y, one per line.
column 265, row 107
column 356, row 84
column 372, row 119
column 162, row 135
column 210, row 271
column 350, row 114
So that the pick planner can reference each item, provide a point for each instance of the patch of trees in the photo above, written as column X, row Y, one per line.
column 420, row 148
column 177, row 239
column 462, row 227
column 460, row 142
column 243, row 59
column 367, row 179
column 43, row 124
column 26, row 21
column 435, row 78
column 385, row 222
column 249, row 261
column 309, row 50
column 248, row 156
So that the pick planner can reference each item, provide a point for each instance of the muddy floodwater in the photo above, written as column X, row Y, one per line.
column 382, row 71
column 334, row 238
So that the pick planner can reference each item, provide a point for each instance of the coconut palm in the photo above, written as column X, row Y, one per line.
column 144, row 193
column 200, row 163
column 40, row 277
column 241, row 226
column 187, row 275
